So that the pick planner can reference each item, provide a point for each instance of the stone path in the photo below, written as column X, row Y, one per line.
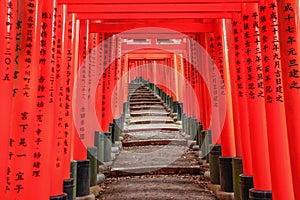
column 156, row 161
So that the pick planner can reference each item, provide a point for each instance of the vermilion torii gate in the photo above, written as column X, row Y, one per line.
column 254, row 45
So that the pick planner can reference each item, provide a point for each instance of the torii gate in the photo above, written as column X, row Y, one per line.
column 255, row 49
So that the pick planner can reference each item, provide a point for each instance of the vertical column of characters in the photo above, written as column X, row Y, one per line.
column 200, row 93
column 22, row 152
column 186, row 74
column 105, row 86
column 255, row 94
column 239, row 76
column 227, row 134
column 117, row 76
column 276, row 119
column 195, row 76
column 99, row 70
column 74, row 49
column 179, row 75
column 93, row 81
column 110, row 103
column 57, row 97
column 213, row 84
column 43, row 134
column 90, row 76
column 176, row 77
column 190, row 64
column 233, row 39
column 126, row 78
column 80, row 96
column 289, row 31
column 68, row 78
column 204, row 80
column 65, row 100
column 115, row 88
column 8, row 22
column 165, row 74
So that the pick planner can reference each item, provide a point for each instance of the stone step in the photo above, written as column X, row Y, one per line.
column 148, row 108
column 145, row 100
column 149, row 113
column 132, row 143
column 152, row 121
column 158, row 170
column 158, row 135
column 145, row 94
column 151, row 127
column 145, row 103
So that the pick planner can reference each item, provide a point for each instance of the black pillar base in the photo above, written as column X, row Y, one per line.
column 60, row 197
column 226, row 177
column 260, row 194
column 246, row 183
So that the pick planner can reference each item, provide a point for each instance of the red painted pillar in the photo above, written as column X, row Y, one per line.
column 277, row 132
column 8, row 22
column 227, row 134
column 81, row 120
column 239, row 76
column 204, row 86
column 75, row 50
column 99, row 92
column 215, row 92
column 256, row 102
column 289, row 38
column 106, row 117
column 57, row 98
column 234, row 86
column 45, row 104
column 22, row 154
column 67, row 71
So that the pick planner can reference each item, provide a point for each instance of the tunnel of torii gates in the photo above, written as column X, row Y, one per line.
column 66, row 65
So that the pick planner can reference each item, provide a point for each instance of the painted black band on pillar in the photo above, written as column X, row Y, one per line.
column 260, row 195
column 214, row 154
column 246, row 183
column 237, row 170
column 69, row 188
column 60, row 197
column 226, row 177
column 83, row 178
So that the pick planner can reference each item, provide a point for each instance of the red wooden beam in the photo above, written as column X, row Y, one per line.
column 151, row 1
column 154, row 8
column 180, row 27
column 175, row 15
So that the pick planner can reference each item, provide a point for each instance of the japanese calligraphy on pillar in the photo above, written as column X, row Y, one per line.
column 8, row 21
column 69, row 79
column 59, row 93
column 213, row 73
column 270, row 53
column 220, row 60
column 99, row 65
column 24, row 118
column 290, row 38
column 237, row 31
column 253, row 58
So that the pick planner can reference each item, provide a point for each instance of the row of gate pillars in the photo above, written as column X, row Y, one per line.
column 43, row 46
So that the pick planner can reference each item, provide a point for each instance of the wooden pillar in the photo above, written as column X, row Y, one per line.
column 227, row 134
column 289, row 38
column 239, row 76
column 22, row 154
column 276, row 124
column 8, row 24
column 255, row 99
